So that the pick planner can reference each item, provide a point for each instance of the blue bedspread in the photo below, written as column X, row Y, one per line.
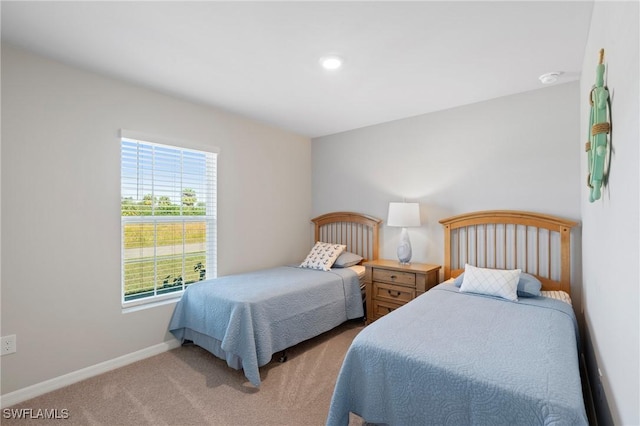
column 451, row 358
column 246, row 318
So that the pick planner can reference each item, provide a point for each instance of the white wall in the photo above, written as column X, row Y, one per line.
column 516, row 153
column 610, row 225
column 61, row 209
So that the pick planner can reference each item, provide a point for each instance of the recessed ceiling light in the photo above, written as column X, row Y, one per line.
column 550, row 77
column 331, row 62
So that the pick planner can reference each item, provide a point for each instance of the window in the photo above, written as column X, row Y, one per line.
column 168, row 210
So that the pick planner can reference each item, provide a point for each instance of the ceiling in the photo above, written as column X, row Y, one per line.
column 260, row 59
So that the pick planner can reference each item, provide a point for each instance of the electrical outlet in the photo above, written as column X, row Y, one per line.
column 8, row 345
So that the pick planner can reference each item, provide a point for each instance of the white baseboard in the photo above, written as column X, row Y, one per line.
column 59, row 382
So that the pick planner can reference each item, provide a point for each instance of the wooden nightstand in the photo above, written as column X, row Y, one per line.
column 390, row 285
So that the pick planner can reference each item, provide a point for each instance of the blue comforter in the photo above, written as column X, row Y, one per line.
column 246, row 318
column 451, row 358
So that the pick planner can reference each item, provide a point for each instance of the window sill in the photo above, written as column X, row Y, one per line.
column 135, row 308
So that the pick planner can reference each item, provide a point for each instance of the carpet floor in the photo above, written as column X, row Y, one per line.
column 189, row 386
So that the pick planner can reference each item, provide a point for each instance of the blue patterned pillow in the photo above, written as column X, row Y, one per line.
column 322, row 256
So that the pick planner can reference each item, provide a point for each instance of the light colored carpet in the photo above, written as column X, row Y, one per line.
column 189, row 386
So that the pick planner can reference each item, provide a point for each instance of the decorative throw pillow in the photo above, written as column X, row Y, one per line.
column 458, row 281
column 493, row 282
column 322, row 256
column 528, row 285
column 347, row 259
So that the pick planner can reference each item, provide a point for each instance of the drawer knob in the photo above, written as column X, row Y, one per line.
column 393, row 293
column 393, row 277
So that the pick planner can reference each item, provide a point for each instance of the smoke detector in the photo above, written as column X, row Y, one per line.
column 550, row 77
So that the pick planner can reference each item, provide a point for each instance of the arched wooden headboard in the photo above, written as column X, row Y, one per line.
column 359, row 232
column 538, row 244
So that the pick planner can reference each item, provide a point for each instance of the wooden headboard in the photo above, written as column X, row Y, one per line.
column 536, row 243
column 357, row 231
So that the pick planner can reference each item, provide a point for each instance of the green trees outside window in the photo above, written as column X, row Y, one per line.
column 175, row 250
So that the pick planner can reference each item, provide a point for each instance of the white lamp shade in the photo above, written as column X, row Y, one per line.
column 404, row 214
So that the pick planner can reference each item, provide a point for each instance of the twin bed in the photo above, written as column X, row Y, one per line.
column 246, row 318
column 476, row 355
column 459, row 354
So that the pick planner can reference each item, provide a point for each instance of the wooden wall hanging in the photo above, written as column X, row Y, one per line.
column 599, row 146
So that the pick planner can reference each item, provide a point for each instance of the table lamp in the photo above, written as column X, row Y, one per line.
column 404, row 215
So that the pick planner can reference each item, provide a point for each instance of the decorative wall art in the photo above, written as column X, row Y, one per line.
column 599, row 145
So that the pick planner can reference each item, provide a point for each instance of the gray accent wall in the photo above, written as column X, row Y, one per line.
column 516, row 153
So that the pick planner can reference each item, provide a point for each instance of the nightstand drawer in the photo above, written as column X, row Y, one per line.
column 393, row 293
column 381, row 308
column 396, row 277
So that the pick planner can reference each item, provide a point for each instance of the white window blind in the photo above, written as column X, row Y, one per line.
column 168, row 210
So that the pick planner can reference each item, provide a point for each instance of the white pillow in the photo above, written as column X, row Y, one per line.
column 322, row 256
column 493, row 282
